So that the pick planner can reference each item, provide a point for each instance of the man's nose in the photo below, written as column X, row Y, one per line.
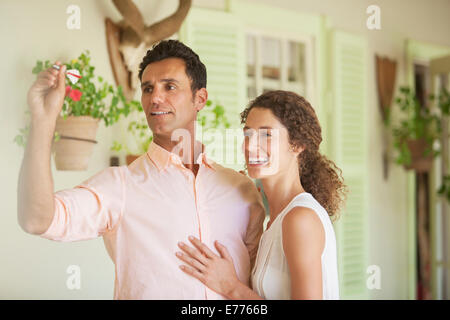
column 157, row 96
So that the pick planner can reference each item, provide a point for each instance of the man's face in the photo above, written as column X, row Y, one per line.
column 167, row 98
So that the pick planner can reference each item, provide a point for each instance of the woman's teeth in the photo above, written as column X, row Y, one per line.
column 257, row 161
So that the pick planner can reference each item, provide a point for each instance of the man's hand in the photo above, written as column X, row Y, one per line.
column 35, row 205
column 46, row 95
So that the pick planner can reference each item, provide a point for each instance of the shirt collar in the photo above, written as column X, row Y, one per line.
column 162, row 158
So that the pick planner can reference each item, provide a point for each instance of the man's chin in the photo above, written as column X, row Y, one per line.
column 161, row 130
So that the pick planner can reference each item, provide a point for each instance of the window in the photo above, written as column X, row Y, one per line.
column 278, row 63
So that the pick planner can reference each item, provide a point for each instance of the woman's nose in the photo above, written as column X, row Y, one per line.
column 251, row 145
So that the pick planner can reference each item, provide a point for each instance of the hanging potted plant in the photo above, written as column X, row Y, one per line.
column 415, row 137
column 211, row 117
column 86, row 103
column 418, row 135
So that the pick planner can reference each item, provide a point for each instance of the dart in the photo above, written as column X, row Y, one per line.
column 72, row 74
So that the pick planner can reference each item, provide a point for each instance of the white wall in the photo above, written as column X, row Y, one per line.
column 35, row 268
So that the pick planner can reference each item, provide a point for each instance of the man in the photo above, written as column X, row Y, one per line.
column 144, row 210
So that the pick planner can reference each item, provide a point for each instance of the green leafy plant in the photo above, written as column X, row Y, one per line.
column 211, row 117
column 444, row 189
column 90, row 96
column 421, row 123
column 141, row 135
column 418, row 123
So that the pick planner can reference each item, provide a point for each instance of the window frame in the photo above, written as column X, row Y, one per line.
column 284, row 38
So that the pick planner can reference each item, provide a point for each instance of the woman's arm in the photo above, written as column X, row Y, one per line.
column 303, row 244
column 216, row 272
column 242, row 292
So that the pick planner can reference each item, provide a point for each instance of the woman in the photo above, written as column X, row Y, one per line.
column 297, row 252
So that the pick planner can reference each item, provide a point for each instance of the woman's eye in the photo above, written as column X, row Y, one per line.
column 170, row 87
column 147, row 89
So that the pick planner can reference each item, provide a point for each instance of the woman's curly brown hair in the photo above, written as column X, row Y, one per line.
column 318, row 175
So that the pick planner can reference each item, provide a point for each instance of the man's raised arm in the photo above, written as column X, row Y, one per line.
column 35, row 202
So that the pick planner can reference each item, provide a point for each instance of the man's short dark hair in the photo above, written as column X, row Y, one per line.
column 195, row 69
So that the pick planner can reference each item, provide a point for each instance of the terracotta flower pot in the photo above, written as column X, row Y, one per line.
column 131, row 158
column 77, row 140
column 419, row 162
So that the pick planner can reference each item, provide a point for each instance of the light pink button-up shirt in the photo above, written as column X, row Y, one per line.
column 143, row 211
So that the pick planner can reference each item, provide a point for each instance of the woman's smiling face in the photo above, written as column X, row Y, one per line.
column 266, row 144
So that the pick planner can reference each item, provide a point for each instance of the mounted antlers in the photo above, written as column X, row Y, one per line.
column 129, row 40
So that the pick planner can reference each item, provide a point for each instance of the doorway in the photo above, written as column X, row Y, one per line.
column 440, row 223
column 422, row 196
column 422, row 68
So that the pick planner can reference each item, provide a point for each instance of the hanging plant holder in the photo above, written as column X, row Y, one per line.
column 419, row 161
column 385, row 72
column 76, row 142
column 130, row 158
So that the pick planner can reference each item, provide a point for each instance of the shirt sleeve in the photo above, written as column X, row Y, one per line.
column 90, row 209
column 255, row 225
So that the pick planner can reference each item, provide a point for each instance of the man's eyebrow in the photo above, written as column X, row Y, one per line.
column 144, row 84
column 170, row 80
column 167, row 80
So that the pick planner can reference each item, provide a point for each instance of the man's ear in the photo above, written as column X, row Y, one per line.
column 201, row 96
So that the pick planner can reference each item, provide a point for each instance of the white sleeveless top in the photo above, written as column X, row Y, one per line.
column 271, row 277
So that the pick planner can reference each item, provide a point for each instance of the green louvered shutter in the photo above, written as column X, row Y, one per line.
column 350, row 143
column 218, row 38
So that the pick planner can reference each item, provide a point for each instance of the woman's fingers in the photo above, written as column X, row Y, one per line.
column 190, row 261
column 194, row 253
column 202, row 247
column 193, row 272
column 223, row 251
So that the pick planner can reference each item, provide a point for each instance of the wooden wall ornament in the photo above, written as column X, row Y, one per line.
column 129, row 39
column 386, row 72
